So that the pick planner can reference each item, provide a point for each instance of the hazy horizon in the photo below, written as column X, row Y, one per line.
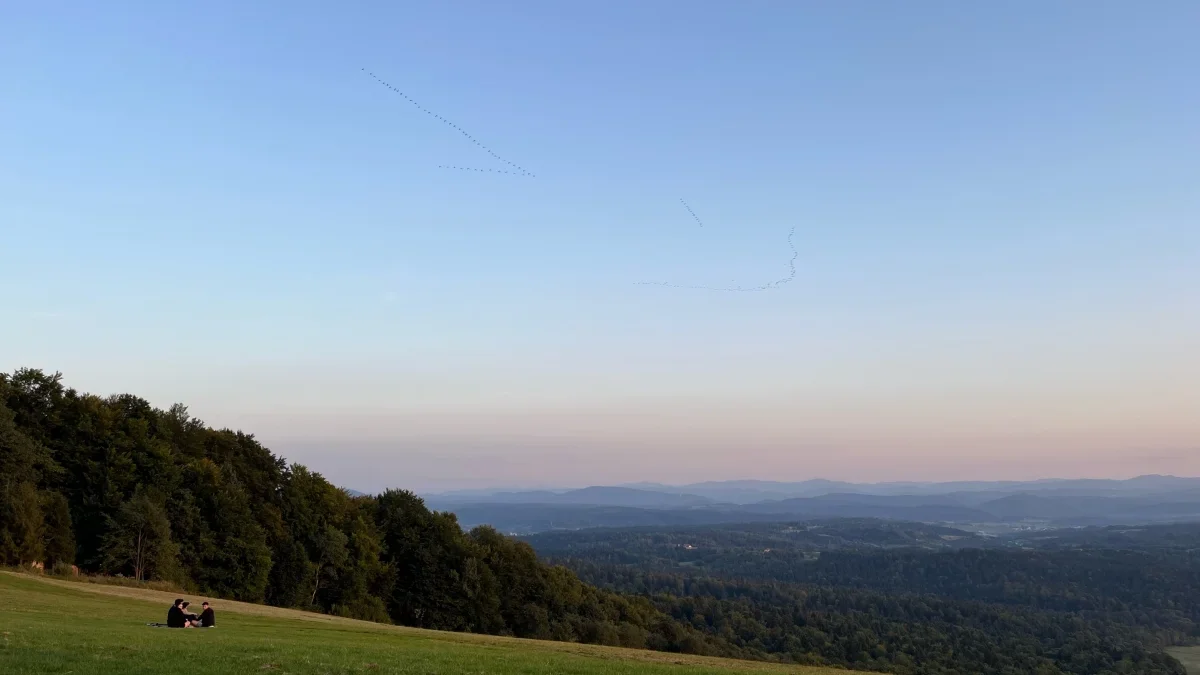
column 997, row 271
column 649, row 485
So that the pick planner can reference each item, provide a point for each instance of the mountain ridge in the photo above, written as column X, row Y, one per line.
column 764, row 490
column 1048, row 502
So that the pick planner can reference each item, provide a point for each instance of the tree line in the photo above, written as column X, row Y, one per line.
column 113, row 486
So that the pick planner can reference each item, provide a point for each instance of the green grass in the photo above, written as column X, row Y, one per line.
column 1189, row 657
column 54, row 626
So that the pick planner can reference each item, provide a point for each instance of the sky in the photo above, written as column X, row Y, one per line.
column 993, row 208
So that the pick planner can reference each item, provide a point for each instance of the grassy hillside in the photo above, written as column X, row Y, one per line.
column 1189, row 657
column 52, row 626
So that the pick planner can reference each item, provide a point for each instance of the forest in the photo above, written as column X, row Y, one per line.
column 115, row 486
column 1156, row 578
column 939, row 598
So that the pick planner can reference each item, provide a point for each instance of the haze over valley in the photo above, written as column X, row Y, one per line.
column 981, row 505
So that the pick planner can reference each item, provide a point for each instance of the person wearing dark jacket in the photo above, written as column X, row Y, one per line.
column 207, row 618
column 175, row 617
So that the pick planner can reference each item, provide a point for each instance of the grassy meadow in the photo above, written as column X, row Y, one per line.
column 1189, row 657
column 55, row 626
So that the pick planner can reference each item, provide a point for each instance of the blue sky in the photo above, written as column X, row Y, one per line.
column 995, row 212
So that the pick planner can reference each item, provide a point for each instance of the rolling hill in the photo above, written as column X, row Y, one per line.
column 597, row 495
column 1058, row 503
column 42, row 633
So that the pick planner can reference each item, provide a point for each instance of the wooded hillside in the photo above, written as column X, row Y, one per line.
column 115, row 486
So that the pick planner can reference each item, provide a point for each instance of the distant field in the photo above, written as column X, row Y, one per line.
column 51, row 626
column 1189, row 657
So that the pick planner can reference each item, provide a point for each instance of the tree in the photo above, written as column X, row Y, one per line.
column 232, row 558
column 21, row 458
column 139, row 538
column 365, row 580
column 331, row 557
column 292, row 574
column 22, row 522
column 22, row 461
column 59, row 535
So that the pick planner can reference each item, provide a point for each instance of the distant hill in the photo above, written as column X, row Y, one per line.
column 1025, row 506
column 591, row 496
column 753, row 538
column 750, row 491
column 1141, row 500
column 526, row 497
column 620, row 496
column 870, row 506
column 530, row 518
column 753, row 491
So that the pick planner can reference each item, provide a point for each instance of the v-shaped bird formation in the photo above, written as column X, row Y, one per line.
column 522, row 171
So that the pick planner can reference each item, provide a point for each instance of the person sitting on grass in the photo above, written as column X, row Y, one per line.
column 207, row 618
column 192, row 620
column 175, row 617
